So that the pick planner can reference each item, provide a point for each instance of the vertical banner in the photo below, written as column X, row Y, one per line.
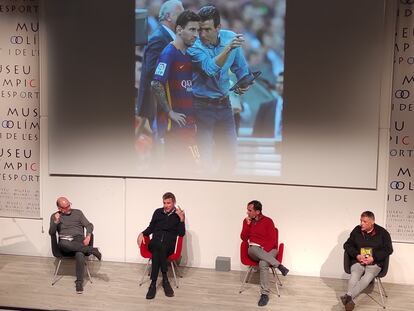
column 400, row 209
column 19, row 108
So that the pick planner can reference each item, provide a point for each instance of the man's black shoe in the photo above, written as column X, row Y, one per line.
column 96, row 253
column 151, row 291
column 283, row 270
column 167, row 288
column 350, row 305
column 79, row 287
column 264, row 299
column 345, row 299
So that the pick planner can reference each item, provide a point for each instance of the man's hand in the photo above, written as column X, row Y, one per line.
column 361, row 259
column 57, row 217
column 177, row 117
column 87, row 240
column 365, row 259
column 180, row 213
column 140, row 239
column 236, row 42
column 248, row 220
column 368, row 260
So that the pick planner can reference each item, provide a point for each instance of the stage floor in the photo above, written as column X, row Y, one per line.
column 26, row 282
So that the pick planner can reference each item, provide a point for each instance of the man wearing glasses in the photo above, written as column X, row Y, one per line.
column 70, row 225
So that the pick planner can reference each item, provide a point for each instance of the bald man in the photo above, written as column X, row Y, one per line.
column 70, row 225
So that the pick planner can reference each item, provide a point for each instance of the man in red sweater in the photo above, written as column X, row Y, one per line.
column 259, row 231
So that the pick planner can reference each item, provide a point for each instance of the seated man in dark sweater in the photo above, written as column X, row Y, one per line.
column 70, row 224
column 259, row 231
column 368, row 246
column 166, row 224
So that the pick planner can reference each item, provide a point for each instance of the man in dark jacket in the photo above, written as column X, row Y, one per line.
column 166, row 224
column 368, row 246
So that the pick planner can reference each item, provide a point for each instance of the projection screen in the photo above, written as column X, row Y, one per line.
column 320, row 129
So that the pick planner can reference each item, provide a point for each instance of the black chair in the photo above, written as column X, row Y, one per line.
column 60, row 255
column 377, row 279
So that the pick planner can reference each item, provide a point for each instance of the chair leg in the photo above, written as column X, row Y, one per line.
column 245, row 279
column 87, row 270
column 277, row 281
column 383, row 288
column 56, row 272
column 175, row 276
column 251, row 275
column 145, row 272
column 177, row 270
column 382, row 292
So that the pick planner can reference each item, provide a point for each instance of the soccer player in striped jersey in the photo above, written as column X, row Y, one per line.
column 172, row 86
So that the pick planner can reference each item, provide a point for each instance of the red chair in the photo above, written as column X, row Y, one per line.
column 246, row 260
column 173, row 258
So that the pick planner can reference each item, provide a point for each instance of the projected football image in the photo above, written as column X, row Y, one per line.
column 209, row 88
column 236, row 91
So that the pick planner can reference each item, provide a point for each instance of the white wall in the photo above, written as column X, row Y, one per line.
column 313, row 221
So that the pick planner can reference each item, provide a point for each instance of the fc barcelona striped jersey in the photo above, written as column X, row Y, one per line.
column 174, row 71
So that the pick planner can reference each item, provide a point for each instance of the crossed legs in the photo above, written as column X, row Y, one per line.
column 265, row 259
column 81, row 250
column 361, row 276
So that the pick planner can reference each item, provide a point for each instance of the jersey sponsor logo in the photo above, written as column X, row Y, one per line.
column 160, row 69
column 186, row 84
